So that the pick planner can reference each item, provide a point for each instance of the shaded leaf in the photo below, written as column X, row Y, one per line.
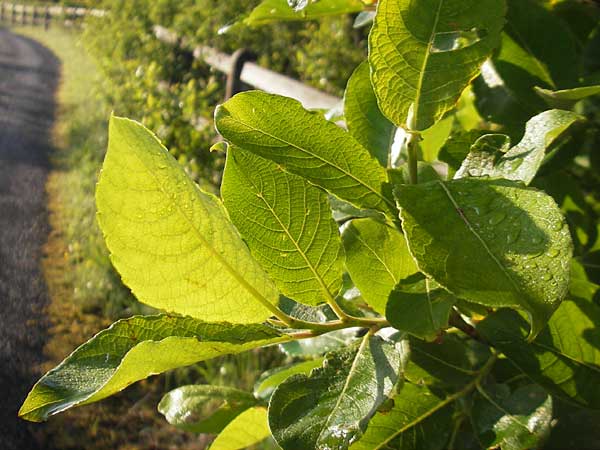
column 520, row 420
column 377, row 258
column 420, row 307
column 488, row 242
column 133, row 349
column 321, row 344
column 171, row 242
column 564, row 359
column 490, row 155
column 204, row 408
column 287, row 224
column 424, row 54
column 304, row 143
column 365, row 121
column 247, row 429
column 420, row 419
column 331, row 406
column 457, row 147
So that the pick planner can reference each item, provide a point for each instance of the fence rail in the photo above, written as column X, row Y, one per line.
column 239, row 68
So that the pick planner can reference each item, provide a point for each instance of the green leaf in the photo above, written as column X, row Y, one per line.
column 247, row 429
column 566, row 98
column 364, row 119
column 489, row 156
column 171, row 242
column 435, row 137
column 203, row 408
column 133, row 349
column 377, row 258
column 287, row 224
column 424, row 54
column 420, row 307
column 303, row 143
column 457, row 147
column 564, row 359
column 520, row 420
column 331, row 406
column 420, row 419
column 453, row 362
column 269, row 380
column 279, row 10
column 492, row 242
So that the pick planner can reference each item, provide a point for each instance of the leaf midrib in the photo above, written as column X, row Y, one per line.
column 307, row 152
column 421, row 80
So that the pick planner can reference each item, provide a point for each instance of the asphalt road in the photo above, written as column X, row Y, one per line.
column 29, row 76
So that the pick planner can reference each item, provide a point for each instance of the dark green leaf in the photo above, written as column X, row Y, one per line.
column 488, row 242
column 566, row 98
column 424, row 54
column 420, row 419
column 420, row 307
column 377, row 258
column 520, row 420
column 564, row 359
column 203, row 408
column 329, row 408
column 280, row 129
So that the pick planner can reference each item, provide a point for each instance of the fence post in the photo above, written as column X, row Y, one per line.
column 13, row 14
column 23, row 17
column 2, row 11
column 234, row 83
column 47, row 18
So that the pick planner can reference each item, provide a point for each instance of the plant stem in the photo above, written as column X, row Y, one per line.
column 412, row 150
column 458, row 322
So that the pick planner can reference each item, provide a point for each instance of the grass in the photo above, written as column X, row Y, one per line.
column 86, row 293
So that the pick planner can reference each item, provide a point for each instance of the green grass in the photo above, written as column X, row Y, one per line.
column 80, row 141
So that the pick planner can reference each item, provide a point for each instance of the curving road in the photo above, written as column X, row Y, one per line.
column 29, row 76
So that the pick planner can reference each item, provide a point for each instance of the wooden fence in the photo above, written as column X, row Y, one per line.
column 240, row 70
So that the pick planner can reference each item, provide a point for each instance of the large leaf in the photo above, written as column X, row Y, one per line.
column 420, row 307
column 331, row 406
column 247, row 429
column 518, row 420
column 171, row 242
column 522, row 162
column 492, row 242
column 133, row 349
column 419, row 419
column 377, row 258
column 424, row 54
column 204, row 408
column 564, row 359
column 279, row 10
column 304, row 143
column 287, row 224
column 364, row 119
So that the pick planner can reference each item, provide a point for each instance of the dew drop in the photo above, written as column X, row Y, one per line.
column 496, row 217
column 449, row 41
column 553, row 253
column 556, row 225
column 546, row 276
column 512, row 236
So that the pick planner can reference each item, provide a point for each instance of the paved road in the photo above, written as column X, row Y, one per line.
column 28, row 79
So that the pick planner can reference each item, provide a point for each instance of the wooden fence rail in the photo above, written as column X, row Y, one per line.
column 237, row 67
